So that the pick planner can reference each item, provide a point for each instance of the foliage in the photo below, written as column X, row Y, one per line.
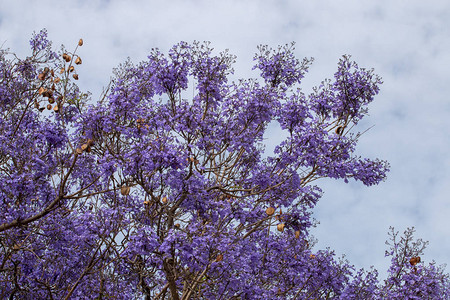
column 151, row 193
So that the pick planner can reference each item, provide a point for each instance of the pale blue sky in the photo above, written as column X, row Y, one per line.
column 407, row 42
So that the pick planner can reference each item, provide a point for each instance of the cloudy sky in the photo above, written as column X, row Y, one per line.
column 407, row 42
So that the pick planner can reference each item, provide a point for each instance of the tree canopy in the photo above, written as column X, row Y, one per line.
column 161, row 188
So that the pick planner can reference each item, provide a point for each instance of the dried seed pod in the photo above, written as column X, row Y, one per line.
column 297, row 234
column 79, row 151
column 146, row 202
column 78, row 61
column 66, row 57
column 52, row 73
column 41, row 76
column 62, row 70
column 71, row 69
column 270, row 211
column 75, row 76
column 125, row 190
column 90, row 142
column 47, row 93
column 340, row 130
column 80, row 42
column 312, row 256
column 164, row 200
column 56, row 80
column 56, row 108
column 41, row 90
column 280, row 227
column 177, row 225
column 414, row 260
column 84, row 146
column 41, row 109
column 88, row 149
column 49, row 106
column 51, row 100
column 219, row 257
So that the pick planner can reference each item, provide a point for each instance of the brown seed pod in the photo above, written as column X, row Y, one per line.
column 78, row 61
column 270, row 211
column 90, row 142
column 66, row 57
column 219, row 257
column 88, row 149
column 41, row 76
column 75, row 76
column 56, row 108
column 71, row 69
column 56, row 80
column 125, row 190
column 414, row 260
column 80, row 42
column 146, row 202
column 62, row 70
column 84, row 146
column 49, row 106
column 52, row 73
column 51, row 100
column 79, row 151
column 164, row 200
column 340, row 130
column 280, row 227
column 41, row 90
column 297, row 234
column 47, row 93
column 312, row 256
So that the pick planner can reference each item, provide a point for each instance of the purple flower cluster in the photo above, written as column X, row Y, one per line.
column 160, row 190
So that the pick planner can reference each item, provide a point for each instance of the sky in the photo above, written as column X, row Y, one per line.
column 406, row 42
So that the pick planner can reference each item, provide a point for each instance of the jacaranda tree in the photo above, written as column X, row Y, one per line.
column 161, row 189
